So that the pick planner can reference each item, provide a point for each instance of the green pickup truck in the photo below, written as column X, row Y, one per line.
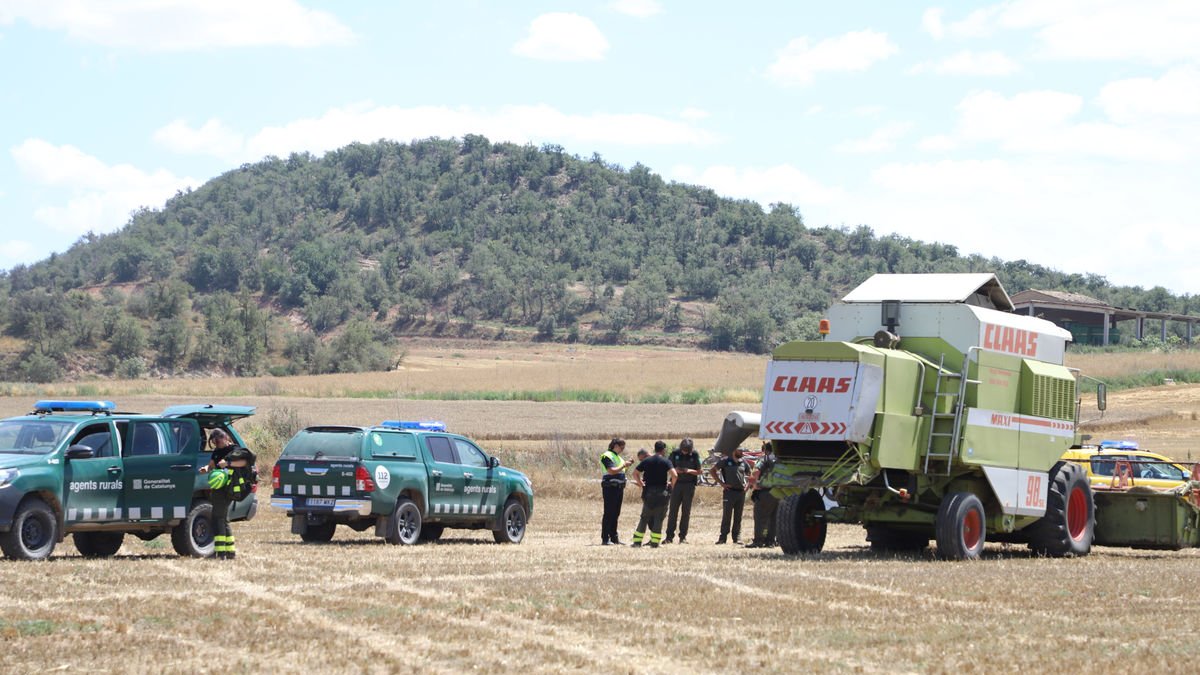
column 84, row 469
column 408, row 480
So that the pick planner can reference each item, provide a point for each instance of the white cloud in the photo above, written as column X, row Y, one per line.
column 640, row 8
column 561, row 36
column 15, row 252
column 1150, row 31
column 211, row 138
column 96, row 196
column 882, row 139
column 1048, row 123
column 971, row 63
column 931, row 21
column 798, row 63
column 1174, row 95
column 179, row 25
column 520, row 124
column 694, row 114
column 1075, row 216
column 782, row 183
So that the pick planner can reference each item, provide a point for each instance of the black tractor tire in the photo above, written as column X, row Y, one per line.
column 404, row 524
column 319, row 533
column 34, row 532
column 961, row 527
column 194, row 536
column 800, row 525
column 98, row 544
column 1069, row 525
column 511, row 526
column 886, row 539
column 432, row 532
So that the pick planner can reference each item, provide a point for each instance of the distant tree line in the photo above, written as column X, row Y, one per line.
column 315, row 265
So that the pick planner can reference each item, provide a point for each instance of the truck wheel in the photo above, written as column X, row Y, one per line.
column 432, row 532
column 960, row 527
column 319, row 534
column 1070, row 520
column 98, row 544
column 34, row 532
column 512, row 523
column 798, row 526
column 891, row 540
column 404, row 525
column 194, row 536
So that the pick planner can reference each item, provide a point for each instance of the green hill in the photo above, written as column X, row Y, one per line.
column 311, row 264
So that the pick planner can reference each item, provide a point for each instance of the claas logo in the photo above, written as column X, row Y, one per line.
column 815, row 385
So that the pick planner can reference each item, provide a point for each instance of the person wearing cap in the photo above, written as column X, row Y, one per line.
column 765, row 504
column 656, row 476
column 687, row 466
column 612, row 487
column 730, row 473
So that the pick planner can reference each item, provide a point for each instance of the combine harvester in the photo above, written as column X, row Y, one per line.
column 930, row 411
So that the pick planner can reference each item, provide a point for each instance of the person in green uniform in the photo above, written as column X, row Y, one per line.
column 765, row 504
column 731, row 474
column 687, row 465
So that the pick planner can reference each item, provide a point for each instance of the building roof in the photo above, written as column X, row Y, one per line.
column 981, row 288
column 1064, row 297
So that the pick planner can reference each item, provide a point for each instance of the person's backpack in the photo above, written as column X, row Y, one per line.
column 242, row 479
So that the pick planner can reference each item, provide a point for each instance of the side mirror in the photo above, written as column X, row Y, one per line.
column 493, row 462
column 1101, row 394
column 80, row 452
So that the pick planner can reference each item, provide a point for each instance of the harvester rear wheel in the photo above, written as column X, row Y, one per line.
column 1070, row 520
column 960, row 527
column 891, row 540
column 800, row 529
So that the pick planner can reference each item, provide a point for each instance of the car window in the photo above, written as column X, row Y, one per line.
column 325, row 443
column 440, row 450
column 469, row 454
column 388, row 444
column 98, row 438
column 35, row 437
column 1105, row 466
column 1163, row 472
column 148, row 439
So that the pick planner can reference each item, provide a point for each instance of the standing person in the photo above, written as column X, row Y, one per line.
column 656, row 476
column 227, row 457
column 612, row 486
column 731, row 473
column 765, row 504
column 687, row 465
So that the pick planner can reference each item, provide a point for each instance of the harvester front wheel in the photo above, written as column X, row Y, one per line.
column 801, row 523
column 1070, row 520
column 960, row 527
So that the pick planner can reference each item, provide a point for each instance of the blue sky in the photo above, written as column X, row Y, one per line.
column 1063, row 132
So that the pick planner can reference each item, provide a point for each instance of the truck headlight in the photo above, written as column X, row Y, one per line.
column 7, row 476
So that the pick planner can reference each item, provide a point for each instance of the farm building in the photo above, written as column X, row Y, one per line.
column 1092, row 321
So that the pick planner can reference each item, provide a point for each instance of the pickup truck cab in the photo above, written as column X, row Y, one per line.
column 408, row 480
column 84, row 469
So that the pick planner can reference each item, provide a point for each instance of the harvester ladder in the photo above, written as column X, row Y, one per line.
column 955, row 395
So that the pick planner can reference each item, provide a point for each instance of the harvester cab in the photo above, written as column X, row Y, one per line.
column 932, row 412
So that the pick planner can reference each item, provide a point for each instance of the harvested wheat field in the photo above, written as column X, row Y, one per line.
column 560, row 602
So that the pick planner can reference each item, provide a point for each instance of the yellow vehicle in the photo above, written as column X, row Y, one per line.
column 1106, row 463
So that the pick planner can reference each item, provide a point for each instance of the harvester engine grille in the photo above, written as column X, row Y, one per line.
column 1053, row 397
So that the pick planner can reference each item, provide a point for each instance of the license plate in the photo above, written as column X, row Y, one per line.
column 320, row 501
